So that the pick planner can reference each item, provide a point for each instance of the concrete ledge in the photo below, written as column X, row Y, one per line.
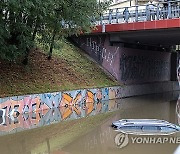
column 151, row 88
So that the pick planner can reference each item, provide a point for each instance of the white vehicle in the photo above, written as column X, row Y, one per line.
column 145, row 127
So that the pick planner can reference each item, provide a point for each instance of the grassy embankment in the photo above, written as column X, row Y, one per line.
column 68, row 69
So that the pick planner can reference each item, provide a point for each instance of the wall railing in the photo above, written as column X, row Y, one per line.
column 139, row 13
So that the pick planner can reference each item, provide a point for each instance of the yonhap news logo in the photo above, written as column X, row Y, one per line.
column 122, row 140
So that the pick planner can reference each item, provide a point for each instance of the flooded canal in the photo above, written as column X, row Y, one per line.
column 94, row 134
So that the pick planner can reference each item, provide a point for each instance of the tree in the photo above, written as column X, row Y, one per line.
column 23, row 21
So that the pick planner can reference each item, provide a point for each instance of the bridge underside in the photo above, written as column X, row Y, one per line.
column 156, row 37
column 159, row 32
column 135, row 53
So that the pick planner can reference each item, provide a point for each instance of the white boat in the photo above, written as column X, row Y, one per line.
column 145, row 127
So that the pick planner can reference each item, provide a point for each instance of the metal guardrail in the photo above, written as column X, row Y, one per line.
column 141, row 13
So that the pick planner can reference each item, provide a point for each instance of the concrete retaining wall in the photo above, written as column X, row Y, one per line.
column 74, row 101
column 43, row 109
column 152, row 88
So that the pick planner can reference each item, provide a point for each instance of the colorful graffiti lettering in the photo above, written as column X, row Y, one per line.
column 68, row 105
column 89, row 102
column 42, row 118
column 43, row 109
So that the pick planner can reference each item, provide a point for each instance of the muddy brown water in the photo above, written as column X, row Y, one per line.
column 94, row 135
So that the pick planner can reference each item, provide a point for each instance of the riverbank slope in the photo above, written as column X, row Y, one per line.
column 68, row 69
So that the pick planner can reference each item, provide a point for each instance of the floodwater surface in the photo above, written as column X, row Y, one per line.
column 94, row 135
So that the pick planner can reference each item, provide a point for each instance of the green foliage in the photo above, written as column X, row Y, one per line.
column 22, row 20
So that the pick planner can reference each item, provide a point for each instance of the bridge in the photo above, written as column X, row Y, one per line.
column 147, row 24
column 136, row 45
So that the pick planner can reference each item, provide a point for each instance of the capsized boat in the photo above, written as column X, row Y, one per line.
column 145, row 127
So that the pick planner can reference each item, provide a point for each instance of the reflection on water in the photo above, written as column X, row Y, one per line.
column 87, row 135
column 102, row 139
column 18, row 122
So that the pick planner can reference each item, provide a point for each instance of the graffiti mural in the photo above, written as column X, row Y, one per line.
column 69, row 105
column 31, row 111
column 127, row 65
column 141, row 66
column 98, row 48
